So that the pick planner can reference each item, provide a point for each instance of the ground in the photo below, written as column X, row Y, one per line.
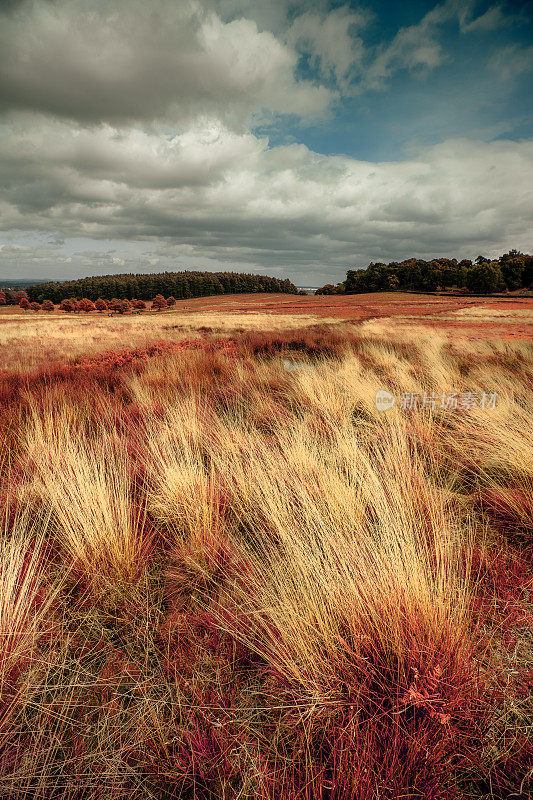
column 226, row 572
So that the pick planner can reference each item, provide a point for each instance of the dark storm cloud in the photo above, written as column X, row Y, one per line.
column 136, row 61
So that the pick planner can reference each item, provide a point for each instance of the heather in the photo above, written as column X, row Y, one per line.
column 226, row 574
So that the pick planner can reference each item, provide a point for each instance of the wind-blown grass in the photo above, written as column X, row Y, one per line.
column 264, row 586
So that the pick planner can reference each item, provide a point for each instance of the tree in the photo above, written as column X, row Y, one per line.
column 85, row 305
column 14, row 296
column 101, row 305
column 24, row 303
column 159, row 302
column 485, row 277
column 48, row 305
column 171, row 301
column 35, row 306
column 66, row 305
column 3, row 299
column 512, row 266
column 140, row 304
column 124, row 306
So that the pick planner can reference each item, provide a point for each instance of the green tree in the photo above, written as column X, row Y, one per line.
column 485, row 277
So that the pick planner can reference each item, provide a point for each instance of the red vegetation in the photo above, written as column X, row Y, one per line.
column 178, row 701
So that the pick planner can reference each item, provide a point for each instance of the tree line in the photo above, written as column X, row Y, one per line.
column 145, row 287
column 511, row 271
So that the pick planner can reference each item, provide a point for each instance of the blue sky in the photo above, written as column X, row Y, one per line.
column 287, row 137
column 476, row 90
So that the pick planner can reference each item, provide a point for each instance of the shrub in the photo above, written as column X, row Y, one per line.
column 140, row 304
column 24, row 303
column 124, row 306
column 85, row 305
column 48, row 305
column 66, row 305
column 35, row 306
column 159, row 302
column 171, row 301
column 101, row 305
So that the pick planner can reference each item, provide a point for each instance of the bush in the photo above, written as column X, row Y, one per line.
column 85, row 305
column 35, row 306
column 124, row 306
column 171, row 301
column 159, row 302
column 48, row 305
column 101, row 305
column 24, row 304
column 140, row 304
column 67, row 305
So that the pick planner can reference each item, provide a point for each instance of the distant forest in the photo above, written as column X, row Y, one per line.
column 145, row 287
column 511, row 271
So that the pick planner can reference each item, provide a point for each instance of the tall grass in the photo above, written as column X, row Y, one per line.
column 269, row 588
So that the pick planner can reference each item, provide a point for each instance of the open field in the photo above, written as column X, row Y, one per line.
column 29, row 340
column 226, row 574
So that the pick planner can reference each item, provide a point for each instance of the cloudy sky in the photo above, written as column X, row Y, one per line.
column 296, row 138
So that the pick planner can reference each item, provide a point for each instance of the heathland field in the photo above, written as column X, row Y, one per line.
column 226, row 573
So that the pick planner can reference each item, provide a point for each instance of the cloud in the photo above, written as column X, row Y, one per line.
column 127, row 140
column 122, row 62
column 331, row 41
column 418, row 47
column 284, row 208
column 511, row 61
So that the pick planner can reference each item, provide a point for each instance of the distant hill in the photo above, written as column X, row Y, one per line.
column 145, row 287
column 20, row 283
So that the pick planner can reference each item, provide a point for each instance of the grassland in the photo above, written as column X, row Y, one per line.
column 225, row 574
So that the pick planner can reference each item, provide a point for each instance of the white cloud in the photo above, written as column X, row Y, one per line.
column 331, row 40
column 511, row 61
column 285, row 207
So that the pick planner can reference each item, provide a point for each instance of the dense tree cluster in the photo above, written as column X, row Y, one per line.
column 511, row 271
column 12, row 297
column 171, row 285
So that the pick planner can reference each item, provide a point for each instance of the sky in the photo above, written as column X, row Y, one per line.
column 290, row 138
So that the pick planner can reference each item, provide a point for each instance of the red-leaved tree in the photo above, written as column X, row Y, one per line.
column 101, row 305
column 47, row 305
column 24, row 303
column 159, row 302
column 85, row 305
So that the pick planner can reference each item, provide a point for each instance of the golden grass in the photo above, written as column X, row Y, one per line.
column 28, row 343
column 263, row 512
column 84, row 485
